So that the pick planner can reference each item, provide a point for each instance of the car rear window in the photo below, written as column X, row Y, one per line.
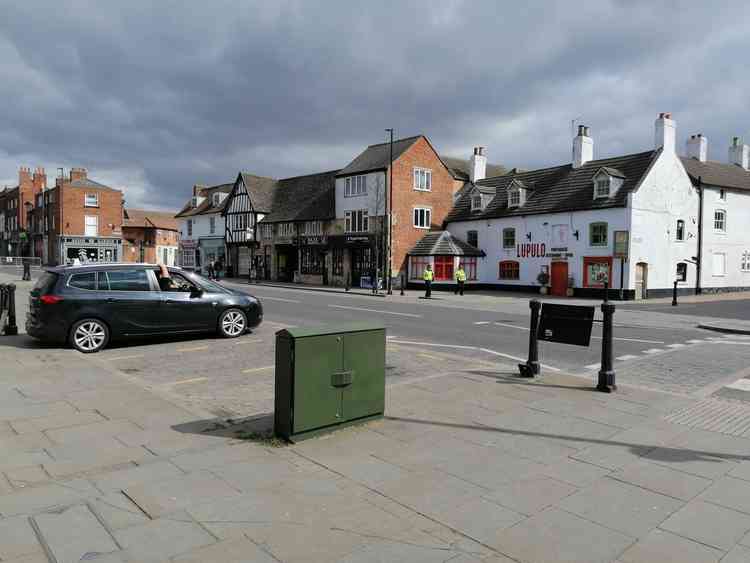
column 83, row 281
column 45, row 282
column 126, row 280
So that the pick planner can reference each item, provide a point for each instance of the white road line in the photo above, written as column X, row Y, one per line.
column 116, row 358
column 512, row 326
column 694, row 341
column 626, row 357
column 653, row 351
column 193, row 349
column 734, row 342
column 262, row 298
column 194, row 380
column 675, row 345
column 740, row 384
column 482, row 323
column 633, row 340
column 376, row 311
column 593, row 366
column 251, row 370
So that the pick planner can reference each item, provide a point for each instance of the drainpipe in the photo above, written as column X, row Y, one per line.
column 699, row 258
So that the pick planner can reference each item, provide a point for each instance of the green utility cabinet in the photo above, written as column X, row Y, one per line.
column 328, row 377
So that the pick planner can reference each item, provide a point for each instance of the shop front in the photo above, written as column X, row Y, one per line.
column 189, row 257
column 211, row 249
column 352, row 259
column 90, row 249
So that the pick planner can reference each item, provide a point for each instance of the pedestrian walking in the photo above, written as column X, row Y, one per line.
column 428, row 276
column 26, row 261
column 460, row 279
column 211, row 269
column 218, row 267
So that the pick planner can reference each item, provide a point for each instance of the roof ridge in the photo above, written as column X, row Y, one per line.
column 396, row 141
column 309, row 175
column 256, row 176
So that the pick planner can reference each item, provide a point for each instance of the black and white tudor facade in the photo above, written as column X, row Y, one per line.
column 639, row 222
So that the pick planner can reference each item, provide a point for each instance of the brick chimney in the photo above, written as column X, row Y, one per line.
column 77, row 174
column 697, row 147
column 664, row 132
column 478, row 165
column 24, row 177
column 39, row 180
column 738, row 153
column 583, row 147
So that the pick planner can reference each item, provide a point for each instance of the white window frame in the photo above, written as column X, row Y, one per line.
column 88, row 202
column 286, row 230
column 422, row 218
column 190, row 227
column 313, row 228
column 680, row 236
column 602, row 186
column 87, row 226
column 212, row 225
column 355, row 186
column 356, row 221
column 713, row 264
column 502, row 238
column 722, row 221
column 423, row 179
column 745, row 261
column 267, row 231
column 474, row 199
column 514, row 198
column 215, row 199
column 722, row 195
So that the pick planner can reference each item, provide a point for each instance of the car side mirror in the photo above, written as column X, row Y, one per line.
column 196, row 292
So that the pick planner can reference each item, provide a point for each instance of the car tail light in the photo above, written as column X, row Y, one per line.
column 50, row 299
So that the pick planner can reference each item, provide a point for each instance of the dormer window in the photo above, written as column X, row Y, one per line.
column 194, row 202
column 601, row 187
column 514, row 198
column 216, row 199
column 476, row 202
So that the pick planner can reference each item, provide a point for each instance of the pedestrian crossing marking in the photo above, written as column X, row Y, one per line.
column 675, row 345
column 740, row 384
column 593, row 366
column 653, row 351
column 626, row 357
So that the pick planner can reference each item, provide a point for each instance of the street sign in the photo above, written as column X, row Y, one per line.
column 621, row 244
column 567, row 324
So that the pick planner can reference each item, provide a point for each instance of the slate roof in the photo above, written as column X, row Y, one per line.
column 442, row 243
column 86, row 183
column 377, row 157
column 304, row 198
column 207, row 206
column 557, row 189
column 714, row 173
column 149, row 219
column 261, row 190
column 460, row 167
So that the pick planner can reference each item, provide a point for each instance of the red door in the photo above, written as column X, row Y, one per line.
column 559, row 278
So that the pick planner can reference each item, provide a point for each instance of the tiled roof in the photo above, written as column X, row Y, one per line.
column 442, row 243
column 146, row 218
column 261, row 190
column 86, row 183
column 720, row 174
column 304, row 198
column 207, row 206
column 557, row 189
column 460, row 167
column 377, row 157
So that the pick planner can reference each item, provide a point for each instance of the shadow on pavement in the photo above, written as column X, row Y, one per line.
column 512, row 378
column 256, row 428
column 658, row 453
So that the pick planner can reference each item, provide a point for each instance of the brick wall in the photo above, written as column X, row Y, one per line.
column 109, row 210
column 133, row 238
column 405, row 198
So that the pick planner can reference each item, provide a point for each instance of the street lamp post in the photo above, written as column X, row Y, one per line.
column 389, row 200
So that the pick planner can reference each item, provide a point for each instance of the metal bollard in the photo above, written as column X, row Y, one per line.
column 531, row 367
column 403, row 282
column 10, row 329
column 674, row 294
column 606, row 291
column 606, row 383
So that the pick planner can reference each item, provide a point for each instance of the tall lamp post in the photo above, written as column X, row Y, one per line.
column 389, row 200
column 28, row 206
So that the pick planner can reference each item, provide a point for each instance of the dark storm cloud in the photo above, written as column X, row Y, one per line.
column 154, row 97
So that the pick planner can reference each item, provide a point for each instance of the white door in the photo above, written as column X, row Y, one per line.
column 641, row 280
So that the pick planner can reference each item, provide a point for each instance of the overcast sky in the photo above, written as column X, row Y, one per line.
column 153, row 97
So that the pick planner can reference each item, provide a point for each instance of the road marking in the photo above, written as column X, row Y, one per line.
column 593, row 366
column 133, row 357
column 741, row 384
column 194, row 380
column 486, row 350
column 633, row 340
column 675, row 345
column 482, row 323
column 193, row 349
column 626, row 357
column 376, row 311
column 262, row 298
column 428, row 356
column 250, row 341
column 512, row 326
column 653, row 351
column 695, row 341
column 251, row 370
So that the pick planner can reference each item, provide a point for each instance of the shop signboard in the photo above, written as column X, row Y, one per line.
column 566, row 324
column 621, row 244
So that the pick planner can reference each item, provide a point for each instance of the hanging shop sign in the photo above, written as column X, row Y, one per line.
column 313, row 240
column 621, row 244
column 567, row 324
column 531, row 250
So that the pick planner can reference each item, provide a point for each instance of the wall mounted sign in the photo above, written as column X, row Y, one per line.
column 621, row 244
column 531, row 250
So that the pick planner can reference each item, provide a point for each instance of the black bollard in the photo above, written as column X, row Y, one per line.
column 403, row 282
column 606, row 383
column 531, row 367
column 11, row 329
column 674, row 294
column 606, row 291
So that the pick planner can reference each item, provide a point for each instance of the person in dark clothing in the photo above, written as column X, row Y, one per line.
column 26, row 261
column 211, row 269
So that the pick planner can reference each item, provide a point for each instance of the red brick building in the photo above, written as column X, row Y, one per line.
column 78, row 218
column 13, row 211
column 150, row 236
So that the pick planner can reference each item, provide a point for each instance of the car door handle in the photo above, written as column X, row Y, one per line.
column 169, row 301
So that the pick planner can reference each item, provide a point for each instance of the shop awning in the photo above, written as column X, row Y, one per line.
column 442, row 243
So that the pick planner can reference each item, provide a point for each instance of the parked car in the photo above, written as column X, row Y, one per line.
column 88, row 305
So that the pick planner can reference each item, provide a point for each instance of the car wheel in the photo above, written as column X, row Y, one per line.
column 89, row 335
column 232, row 323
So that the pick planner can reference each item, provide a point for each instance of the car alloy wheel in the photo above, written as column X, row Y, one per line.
column 89, row 336
column 233, row 323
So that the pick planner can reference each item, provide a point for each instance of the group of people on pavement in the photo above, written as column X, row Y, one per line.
column 215, row 267
column 429, row 275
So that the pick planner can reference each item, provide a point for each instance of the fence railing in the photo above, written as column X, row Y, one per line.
column 18, row 261
column 8, row 309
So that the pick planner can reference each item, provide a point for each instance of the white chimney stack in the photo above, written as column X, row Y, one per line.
column 478, row 165
column 583, row 147
column 739, row 153
column 697, row 147
column 664, row 132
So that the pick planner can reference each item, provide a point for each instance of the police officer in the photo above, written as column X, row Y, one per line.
column 428, row 276
column 460, row 279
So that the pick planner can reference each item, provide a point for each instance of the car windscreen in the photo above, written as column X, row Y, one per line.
column 45, row 283
column 208, row 285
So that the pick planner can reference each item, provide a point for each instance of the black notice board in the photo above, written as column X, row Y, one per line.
column 567, row 324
